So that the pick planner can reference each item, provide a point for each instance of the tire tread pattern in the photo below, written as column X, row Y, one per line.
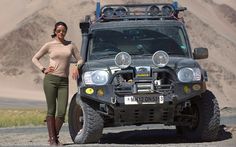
column 93, row 123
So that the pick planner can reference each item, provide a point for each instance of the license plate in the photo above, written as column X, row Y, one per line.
column 134, row 100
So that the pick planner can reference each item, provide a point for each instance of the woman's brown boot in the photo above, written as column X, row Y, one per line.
column 51, row 130
column 58, row 123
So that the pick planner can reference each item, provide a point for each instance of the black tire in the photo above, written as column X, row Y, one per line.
column 85, row 124
column 207, row 125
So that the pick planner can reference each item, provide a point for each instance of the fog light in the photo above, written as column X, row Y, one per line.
column 153, row 10
column 121, row 11
column 196, row 87
column 100, row 92
column 130, row 81
column 187, row 89
column 89, row 91
column 108, row 12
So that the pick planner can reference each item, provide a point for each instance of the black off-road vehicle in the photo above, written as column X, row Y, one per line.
column 140, row 69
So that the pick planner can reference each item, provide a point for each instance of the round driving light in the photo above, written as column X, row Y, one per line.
column 123, row 60
column 108, row 12
column 89, row 91
column 160, row 58
column 153, row 10
column 167, row 10
column 186, row 75
column 121, row 11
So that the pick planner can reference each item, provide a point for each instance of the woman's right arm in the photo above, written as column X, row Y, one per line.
column 38, row 55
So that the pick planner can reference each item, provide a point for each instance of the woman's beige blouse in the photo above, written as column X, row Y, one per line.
column 59, row 57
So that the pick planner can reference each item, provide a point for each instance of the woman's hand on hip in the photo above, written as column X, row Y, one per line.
column 49, row 69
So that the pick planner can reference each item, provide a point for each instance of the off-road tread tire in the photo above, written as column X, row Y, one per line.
column 71, row 120
column 211, row 116
column 209, row 123
column 93, row 124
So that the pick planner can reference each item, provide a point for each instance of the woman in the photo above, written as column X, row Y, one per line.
column 55, row 82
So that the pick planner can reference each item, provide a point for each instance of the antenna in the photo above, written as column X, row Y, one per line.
column 98, row 9
column 175, row 4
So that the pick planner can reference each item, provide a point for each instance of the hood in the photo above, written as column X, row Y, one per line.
column 174, row 63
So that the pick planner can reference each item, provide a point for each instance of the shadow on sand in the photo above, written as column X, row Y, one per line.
column 157, row 136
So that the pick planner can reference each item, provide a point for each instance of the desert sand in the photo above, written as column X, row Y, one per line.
column 26, row 25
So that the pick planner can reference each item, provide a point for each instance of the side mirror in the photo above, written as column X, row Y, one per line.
column 200, row 53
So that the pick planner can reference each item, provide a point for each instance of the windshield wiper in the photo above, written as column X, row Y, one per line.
column 174, row 53
column 103, row 55
column 140, row 54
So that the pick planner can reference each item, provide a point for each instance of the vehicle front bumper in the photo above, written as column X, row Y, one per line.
column 180, row 93
column 129, row 114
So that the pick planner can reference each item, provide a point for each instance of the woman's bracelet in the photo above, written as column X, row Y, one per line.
column 77, row 65
column 43, row 70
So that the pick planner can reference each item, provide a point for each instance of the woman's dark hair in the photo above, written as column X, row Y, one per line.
column 56, row 25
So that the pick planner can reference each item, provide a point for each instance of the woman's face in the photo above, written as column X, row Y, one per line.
column 60, row 32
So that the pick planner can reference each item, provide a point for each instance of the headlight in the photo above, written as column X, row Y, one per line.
column 189, row 74
column 123, row 60
column 160, row 58
column 98, row 77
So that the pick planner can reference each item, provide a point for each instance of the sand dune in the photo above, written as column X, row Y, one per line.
column 209, row 13
column 231, row 3
column 26, row 25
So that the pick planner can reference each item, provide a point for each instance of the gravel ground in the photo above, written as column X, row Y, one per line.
column 143, row 136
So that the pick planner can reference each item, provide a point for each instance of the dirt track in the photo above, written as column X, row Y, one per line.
column 145, row 136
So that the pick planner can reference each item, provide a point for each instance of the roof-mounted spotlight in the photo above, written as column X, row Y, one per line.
column 121, row 11
column 108, row 12
column 167, row 10
column 153, row 10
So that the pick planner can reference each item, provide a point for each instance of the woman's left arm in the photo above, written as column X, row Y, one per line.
column 76, row 54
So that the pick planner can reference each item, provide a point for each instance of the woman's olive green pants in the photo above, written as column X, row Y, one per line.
column 56, row 92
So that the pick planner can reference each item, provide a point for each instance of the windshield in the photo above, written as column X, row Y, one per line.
column 145, row 41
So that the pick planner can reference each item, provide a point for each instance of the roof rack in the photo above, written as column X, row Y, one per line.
column 161, row 11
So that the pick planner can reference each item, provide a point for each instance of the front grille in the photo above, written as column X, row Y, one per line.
column 158, row 82
column 141, row 88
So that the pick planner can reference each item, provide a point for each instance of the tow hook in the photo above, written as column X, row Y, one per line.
column 113, row 100
column 187, row 104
